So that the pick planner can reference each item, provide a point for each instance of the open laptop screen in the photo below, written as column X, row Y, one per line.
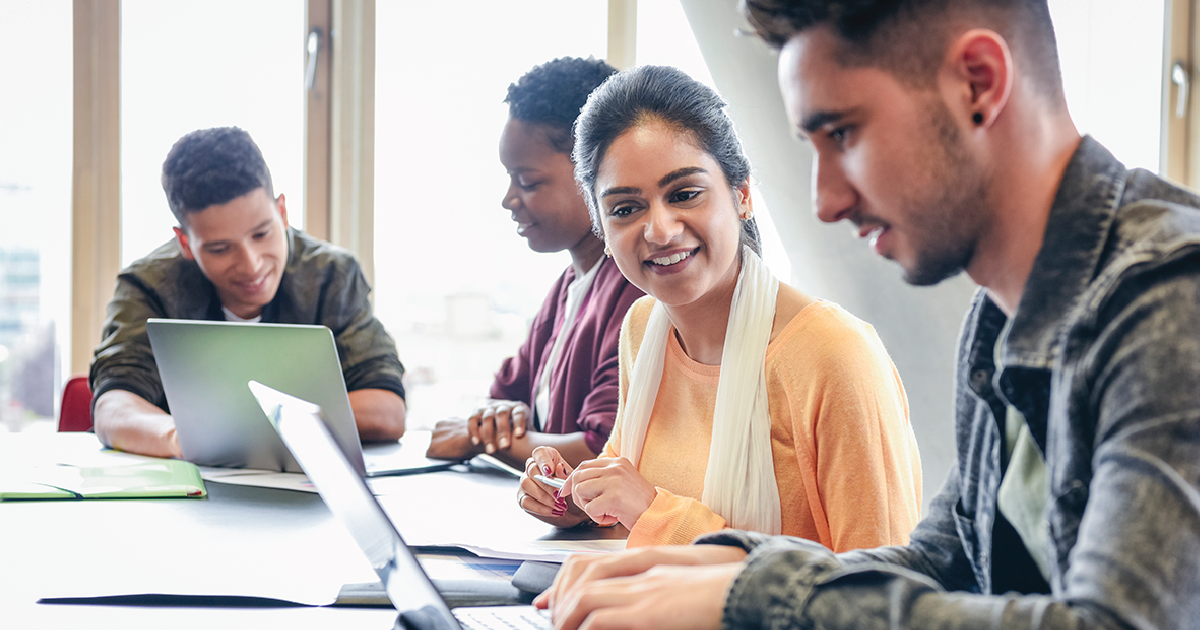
column 351, row 501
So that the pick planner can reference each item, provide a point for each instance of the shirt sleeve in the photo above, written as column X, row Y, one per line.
column 124, row 359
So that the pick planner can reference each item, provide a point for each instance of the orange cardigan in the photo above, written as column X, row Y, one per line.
column 845, row 455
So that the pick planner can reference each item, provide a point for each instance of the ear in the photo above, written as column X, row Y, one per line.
column 741, row 196
column 281, row 205
column 181, row 238
column 981, row 66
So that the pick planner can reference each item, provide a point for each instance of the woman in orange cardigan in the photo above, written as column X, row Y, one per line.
column 743, row 402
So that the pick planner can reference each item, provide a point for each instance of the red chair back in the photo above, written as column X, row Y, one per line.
column 75, row 413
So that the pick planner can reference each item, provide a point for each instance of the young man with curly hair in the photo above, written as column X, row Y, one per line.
column 234, row 257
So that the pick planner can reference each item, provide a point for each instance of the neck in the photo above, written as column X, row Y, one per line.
column 1035, row 150
column 585, row 253
column 701, row 325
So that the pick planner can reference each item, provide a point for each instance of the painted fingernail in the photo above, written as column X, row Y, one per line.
column 503, row 442
column 474, row 440
column 557, row 512
column 490, row 449
column 546, row 470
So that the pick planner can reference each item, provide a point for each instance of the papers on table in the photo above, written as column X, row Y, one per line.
column 544, row 550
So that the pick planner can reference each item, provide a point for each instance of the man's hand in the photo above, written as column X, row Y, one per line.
column 645, row 588
column 582, row 570
column 125, row 421
column 494, row 425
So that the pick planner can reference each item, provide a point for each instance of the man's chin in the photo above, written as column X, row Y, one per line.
column 928, row 276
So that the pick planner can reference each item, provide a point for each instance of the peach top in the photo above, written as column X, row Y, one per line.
column 845, row 456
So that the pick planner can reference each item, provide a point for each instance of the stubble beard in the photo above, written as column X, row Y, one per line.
column 946, row 225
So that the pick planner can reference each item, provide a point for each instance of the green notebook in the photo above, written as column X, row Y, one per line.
column 159, row 478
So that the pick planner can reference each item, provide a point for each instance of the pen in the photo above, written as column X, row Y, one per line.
column 550, row 481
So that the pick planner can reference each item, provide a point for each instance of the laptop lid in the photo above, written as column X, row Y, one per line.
column 350, row 499
column 204, row 368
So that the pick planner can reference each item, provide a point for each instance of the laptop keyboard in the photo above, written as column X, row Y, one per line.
column 503, row 618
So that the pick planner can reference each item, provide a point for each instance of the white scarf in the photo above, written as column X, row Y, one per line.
column 740, row 481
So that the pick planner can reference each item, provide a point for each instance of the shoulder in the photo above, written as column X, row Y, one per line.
column 164, row 267
column 313, row 255
column 824, row 339
column 634, row 325
column 1154, row 240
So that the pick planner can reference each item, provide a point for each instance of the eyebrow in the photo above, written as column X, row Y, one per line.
column 666, row 179
column 819, row 119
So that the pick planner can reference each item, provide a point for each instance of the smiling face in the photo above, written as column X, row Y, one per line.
column 668, row 215
column 241, row 246
column 542, row 195
column 889, row 158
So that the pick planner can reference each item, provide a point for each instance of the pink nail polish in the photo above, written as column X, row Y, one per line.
column 557, row 512
column 546, row 470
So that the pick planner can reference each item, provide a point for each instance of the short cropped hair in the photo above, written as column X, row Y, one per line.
column 210, row 167
column 668, row 95
column 908, row 38
column 552, row 94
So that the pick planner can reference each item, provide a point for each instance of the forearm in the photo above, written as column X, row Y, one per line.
column 379, row 414
column 571, row 446
column 125, row 421
column 798, row 583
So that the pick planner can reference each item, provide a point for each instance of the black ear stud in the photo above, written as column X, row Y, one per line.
column 977, row 117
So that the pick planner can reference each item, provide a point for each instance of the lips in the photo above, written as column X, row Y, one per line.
column 255, row 285
column 670, row 262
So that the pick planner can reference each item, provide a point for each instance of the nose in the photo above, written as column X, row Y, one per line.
column 249, row 260
column 662, row 224
column 511, row 199
column 833, row 196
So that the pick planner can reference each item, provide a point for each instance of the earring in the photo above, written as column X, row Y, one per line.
column 607, row 251
column 977, row 118
column 749, row 215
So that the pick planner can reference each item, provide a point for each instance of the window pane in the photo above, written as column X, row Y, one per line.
column 1112, row 60
column 191, row 65
column 454, row 283
column 35, row 192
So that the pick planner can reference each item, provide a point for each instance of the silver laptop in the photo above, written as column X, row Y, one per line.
column 300, row 426
column 204, row 367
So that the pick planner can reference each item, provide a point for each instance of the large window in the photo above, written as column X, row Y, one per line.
column 190, row 65
column 1112, row 66
column 35, row 206
column 454, row 283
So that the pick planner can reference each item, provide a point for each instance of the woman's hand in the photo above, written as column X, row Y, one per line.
column 451, row 441
column 495, row 424
column 541, row 500
column 610, row 489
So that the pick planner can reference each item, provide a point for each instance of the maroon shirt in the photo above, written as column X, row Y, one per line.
column 584, row 384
